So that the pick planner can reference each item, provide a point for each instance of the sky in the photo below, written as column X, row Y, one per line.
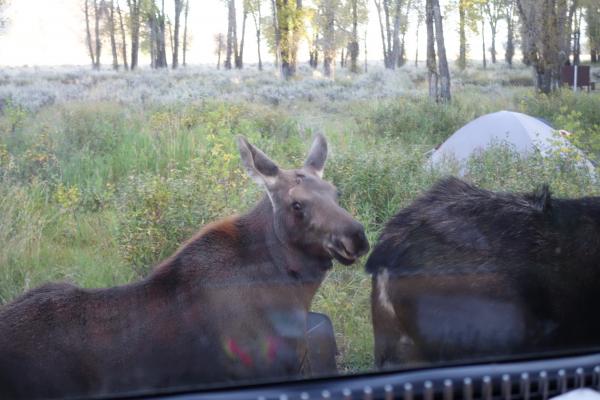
column 52, row 32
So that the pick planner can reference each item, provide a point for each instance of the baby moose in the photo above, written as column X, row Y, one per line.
column 230, row 305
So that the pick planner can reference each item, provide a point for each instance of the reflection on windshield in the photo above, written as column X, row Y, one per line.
column 210, row 194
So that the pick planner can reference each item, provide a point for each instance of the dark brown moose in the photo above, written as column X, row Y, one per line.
column 467, row 274
column 230, row 305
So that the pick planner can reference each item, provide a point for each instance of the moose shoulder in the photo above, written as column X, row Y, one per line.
column 231, row 304
column 464, row 273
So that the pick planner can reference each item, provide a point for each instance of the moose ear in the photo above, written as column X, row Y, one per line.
column 260, row 167
column 317, row 155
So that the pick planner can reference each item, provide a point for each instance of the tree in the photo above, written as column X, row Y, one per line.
column 359, row 11
column 335, row 27
column 439, row 78
column 92, row 10
column 178, row 9
column 3, row 19
column 393, row 27
column 592, row 20
column 444, row 71
column 253, row 7
column 111, row 29
column 494, row 10
column 239, row 58
column 353, row 47
column 123, row 39
column 276, row 43
column 419, row 9
column 577, row 36
column 231, row 53
column 432, row 73
column 134, row 25
column 289, row 25
column 469, row 14
column 546, row 37
column 482, row 19
column 185, row 31
column 219, row 39
column 385, row 26
column 327, row 11
column 156, row 22
column 97, row 39
column 509, row 11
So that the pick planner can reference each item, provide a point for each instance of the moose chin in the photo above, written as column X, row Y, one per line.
column 230, row 305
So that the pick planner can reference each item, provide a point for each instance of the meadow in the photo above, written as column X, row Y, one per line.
column 103, row 174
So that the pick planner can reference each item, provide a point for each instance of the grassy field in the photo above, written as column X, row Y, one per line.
column 104, row 174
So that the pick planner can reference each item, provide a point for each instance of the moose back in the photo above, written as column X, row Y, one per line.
column 467, row 274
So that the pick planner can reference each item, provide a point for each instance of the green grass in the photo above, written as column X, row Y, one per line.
column 96, row 193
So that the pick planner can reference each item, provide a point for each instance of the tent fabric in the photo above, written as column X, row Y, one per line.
column 522, row 131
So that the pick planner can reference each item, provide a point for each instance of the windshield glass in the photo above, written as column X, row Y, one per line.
column 199, row 194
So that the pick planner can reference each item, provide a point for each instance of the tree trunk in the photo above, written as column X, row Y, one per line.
column 353, row 48
column 89, row 33
column 230, row 52
column 219, row 58
column 257, row 21
column 161, row 43
column 432, row 74
column 152, row 24
column 296, row 36
column 493, row 47
column 329, row 42
column 277, row 32
column 185, row 32
column 388, row 31
column 123, row 38
column 396, row 37
column 97, row 34
column 113, row 43
column 169, row 25
column 577, row 40
column 381, row 27
column 366, row 59
column 403, row 29
column 510, row 38
column 483, row 40
column 288, row 13
column 284, row 38
column 402, row 56
column 178, row 10
column 445, row 95
column 462, row 35
column 134, row 15
column 239, row 62
column 417, row 43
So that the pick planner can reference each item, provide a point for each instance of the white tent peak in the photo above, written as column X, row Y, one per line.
column 525, row 133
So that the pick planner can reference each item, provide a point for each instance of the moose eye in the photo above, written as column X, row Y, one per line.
column 297, row 206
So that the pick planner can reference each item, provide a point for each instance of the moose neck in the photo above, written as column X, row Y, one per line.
column 286, row 261
column 239, row 251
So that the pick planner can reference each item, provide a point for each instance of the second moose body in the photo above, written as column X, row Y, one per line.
column 468, row 274
column 231, row 304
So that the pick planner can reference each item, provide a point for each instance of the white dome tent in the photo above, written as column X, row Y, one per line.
column 523, row 132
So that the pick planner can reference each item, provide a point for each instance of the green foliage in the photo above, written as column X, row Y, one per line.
column 576, row 113
column 412, row 121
